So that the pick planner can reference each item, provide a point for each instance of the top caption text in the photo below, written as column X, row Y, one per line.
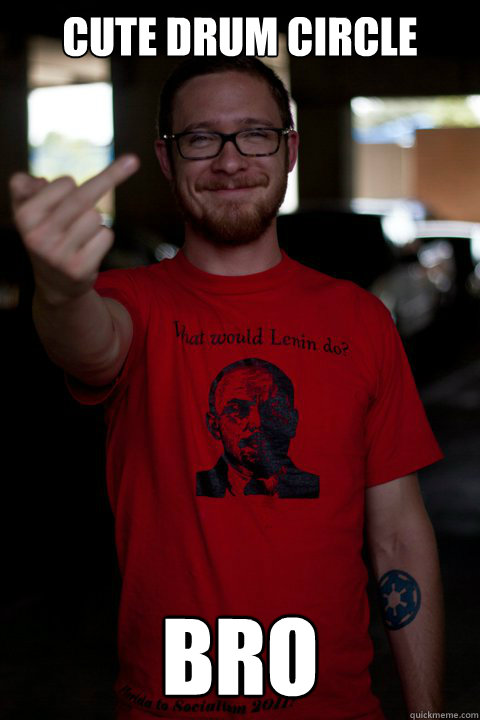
column 232, row 36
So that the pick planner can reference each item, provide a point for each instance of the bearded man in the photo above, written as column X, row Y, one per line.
column 226, row 144
column 251, row 411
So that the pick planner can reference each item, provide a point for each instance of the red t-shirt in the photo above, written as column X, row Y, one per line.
column 249, row 417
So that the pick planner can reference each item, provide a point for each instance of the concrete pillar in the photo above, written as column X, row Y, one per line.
column 14, row 123
column 145, row 201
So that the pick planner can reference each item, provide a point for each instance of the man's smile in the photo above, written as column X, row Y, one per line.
column 233, row 186
column 232, row 191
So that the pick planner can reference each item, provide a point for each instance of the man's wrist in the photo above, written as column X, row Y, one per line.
column 51, row 298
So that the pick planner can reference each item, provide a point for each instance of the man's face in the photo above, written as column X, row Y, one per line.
column 254, row 419
column 231, row 199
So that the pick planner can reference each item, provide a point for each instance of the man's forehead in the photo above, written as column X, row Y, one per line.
column 244, row 382
column 208, row 100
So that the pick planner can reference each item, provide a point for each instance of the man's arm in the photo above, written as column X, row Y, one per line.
column 89, row 337
column 404, row 556
column 85, row 334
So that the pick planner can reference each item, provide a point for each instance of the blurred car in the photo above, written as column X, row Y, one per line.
column 463, row 240
column 414, row 280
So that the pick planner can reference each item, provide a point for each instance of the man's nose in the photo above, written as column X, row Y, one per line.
column 229, row 160
column 253, row 419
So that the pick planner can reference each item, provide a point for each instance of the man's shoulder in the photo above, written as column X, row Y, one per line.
column 341, row 292
column 213, row 482
column 298, row 483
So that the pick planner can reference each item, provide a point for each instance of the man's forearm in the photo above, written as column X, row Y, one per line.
column 87, row 336
column 407, row 569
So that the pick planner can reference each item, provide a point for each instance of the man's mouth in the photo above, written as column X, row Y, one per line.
column 232, row 191
column 253, row 441
column 227, row 187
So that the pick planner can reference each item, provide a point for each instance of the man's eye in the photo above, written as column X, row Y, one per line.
column 232, row 408
column 199, row 140
column 236, row 409
column 277, row 410
column 256, row 134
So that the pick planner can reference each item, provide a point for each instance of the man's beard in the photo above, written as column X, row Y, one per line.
column 233, row 223
column 264, row 453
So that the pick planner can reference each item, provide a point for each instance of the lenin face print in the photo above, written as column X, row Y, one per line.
column 252, row 413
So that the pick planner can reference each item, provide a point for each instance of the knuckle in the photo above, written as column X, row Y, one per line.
column 108, row 235
column 42, row 240
column 55, row 256
column 22, row 216
column 94, row 217
column 105, row 241
column 34, row 239
column 14, row 181
column 65, row 183
column 75, row 270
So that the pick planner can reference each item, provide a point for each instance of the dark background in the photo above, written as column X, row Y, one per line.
column 58, row 605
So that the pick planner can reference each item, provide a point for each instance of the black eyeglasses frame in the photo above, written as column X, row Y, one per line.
column 226, row 137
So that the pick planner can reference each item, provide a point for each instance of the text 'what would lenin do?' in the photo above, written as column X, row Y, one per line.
column 233, row 36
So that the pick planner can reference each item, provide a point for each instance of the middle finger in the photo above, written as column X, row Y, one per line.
column 88, row 194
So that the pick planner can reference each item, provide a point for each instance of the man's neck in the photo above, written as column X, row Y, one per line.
column 239, row 478
column 257, row 256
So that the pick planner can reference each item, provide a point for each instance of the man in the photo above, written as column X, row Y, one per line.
column 252, row 412
column 145, row 343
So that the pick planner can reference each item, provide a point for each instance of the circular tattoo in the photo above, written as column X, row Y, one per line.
column 401, row 598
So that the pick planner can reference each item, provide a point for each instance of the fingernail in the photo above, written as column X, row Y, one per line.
column 20, row 181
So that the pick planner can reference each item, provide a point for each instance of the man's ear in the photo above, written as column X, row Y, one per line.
column 293, row 141
column 293, row 423
column 164, row 159
column 213, row 426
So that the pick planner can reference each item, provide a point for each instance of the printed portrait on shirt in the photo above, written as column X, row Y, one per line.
column 251, row 412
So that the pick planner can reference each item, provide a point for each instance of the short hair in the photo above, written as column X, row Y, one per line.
column 282, row 380
column 195, row 66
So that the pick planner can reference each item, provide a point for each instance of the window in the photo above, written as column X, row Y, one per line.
column 70, row 117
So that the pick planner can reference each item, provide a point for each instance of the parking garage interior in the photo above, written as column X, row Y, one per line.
column 61, row 582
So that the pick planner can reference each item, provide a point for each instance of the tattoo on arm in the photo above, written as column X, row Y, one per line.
column 400, row 598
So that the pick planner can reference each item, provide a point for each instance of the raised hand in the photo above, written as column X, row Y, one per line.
column 61, row 229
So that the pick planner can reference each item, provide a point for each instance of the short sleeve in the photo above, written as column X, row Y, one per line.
column 123, row 286
column 398, row 435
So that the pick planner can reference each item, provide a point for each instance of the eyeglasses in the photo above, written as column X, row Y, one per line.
column 256, row 142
